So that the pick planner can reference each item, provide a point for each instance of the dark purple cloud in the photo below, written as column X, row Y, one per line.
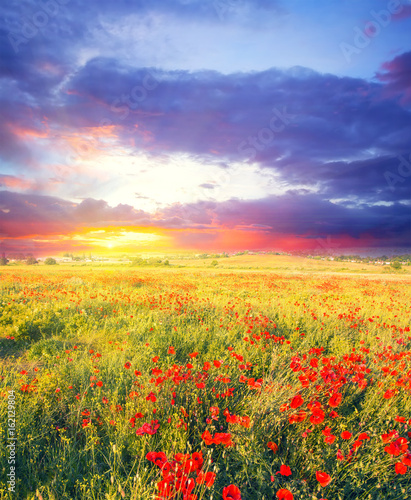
column 396, row 75
column 296, row 215
column 345, row 139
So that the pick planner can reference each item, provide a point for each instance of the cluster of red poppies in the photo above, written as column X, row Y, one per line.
column 181, row 475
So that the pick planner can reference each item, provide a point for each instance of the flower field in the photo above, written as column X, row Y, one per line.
column 205, row 384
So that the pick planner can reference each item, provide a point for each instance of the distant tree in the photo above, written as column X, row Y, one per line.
column 30, row 261
column 396, row 264
column 138, row 261
column 3, row 260
column 50, row 261
column 214, row 263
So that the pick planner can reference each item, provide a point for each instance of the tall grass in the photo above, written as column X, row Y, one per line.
column 197, row 351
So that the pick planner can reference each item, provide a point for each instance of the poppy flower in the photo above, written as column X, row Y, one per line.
column 389, row 436
column 147, row 429
column 400, row 468
column 231, row 492
column 398, row 447
column 127, row 365
column 284, row 470
column 317, row 417
column 346, row 435
column 297, row 401
column 223, row 438
column 284, row 494
column 357, row 444
column 207, row 438
column 323, row 478
column 335, row 400
column 206, row 478
column 197, row 458
column 272, row 446
column 363, row 436
column 329, row 439
column 166, row 489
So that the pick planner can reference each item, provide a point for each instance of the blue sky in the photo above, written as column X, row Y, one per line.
column 221, row 124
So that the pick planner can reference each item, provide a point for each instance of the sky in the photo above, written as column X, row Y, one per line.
column 205, row 125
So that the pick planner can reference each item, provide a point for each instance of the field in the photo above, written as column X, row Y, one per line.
column 204, row 383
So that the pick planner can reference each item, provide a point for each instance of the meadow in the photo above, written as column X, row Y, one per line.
column 200, row 384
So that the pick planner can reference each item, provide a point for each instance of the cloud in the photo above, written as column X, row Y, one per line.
column 276, row 221
column 396, row 75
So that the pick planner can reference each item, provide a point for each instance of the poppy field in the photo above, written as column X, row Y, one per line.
column 204, row 384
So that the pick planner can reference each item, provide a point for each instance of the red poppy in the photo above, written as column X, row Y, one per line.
column 317, row 417
column 208, row 478
column 207, row 438
column 389, row 436
column 346, row 435
column 363, row 436
column 231, row 492
column 284, row 470
column 284, row 494
column 400, row 468
column 193, row 354
column 297, row 401
column 323, row 478
column 223, row 438
column 171, row 350
column 272, row 446
column 127, row 365
column 297, row 417
column 388, row 394
column 166, row 490
column 398, row 447
column 147, row 429
column 357, row 444
column 335, row 400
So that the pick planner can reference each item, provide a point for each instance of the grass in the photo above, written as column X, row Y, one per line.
column 110, row 365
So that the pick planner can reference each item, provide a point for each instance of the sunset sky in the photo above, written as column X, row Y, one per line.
column 205, row 125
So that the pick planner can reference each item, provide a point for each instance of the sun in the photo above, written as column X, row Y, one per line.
column 109, row 245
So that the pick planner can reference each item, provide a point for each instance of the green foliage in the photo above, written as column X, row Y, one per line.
column 50, row 261
column 151, row 262
column 76, row 396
